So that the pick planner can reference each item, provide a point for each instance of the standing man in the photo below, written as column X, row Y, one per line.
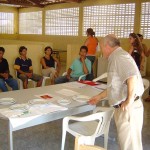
column 5, row 76
column 24, row 68
column 124, row 91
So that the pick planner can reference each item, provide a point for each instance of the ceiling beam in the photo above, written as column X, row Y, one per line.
column 16, row 3
column 55, row 3
column 77, row 1
column 35, row 3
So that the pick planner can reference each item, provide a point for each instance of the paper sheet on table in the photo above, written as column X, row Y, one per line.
column 32, row 110
column 15, row 117
column 18, row 118
column 101, row 86
column 67, row 92
column 45, row 109
column 74, row 85
column 11, row 113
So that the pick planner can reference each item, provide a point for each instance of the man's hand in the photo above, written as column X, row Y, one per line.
column 68, row 76
column 126, row 105
column 56, row 74
column 94, row 100
column 82, row 59
column 29, row 75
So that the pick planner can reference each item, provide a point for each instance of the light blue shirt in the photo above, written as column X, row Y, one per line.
column 77, row 67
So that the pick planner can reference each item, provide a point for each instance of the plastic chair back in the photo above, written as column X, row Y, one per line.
column 100, row 77
column 146, row 83
column 103, row 125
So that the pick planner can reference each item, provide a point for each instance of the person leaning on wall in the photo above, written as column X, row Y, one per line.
column 92, row 43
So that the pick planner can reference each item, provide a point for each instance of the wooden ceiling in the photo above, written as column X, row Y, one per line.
column 35, row 3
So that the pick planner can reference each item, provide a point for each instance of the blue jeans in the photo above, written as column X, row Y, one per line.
column 64, row 79
column 11, row 82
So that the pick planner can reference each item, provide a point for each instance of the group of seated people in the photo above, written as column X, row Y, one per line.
column 24, row 69
column 51, row 65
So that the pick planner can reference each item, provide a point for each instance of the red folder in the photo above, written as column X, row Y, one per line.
column 91, row 83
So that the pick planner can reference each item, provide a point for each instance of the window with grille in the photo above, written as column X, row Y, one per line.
column 6, row 23
column 62, row 22
column 106, row 19
column 30, row 23
column 145, row 20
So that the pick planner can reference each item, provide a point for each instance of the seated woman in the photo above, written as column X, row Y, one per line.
column 48, row 64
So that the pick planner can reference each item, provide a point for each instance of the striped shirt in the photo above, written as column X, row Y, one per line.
column 121, row 66
column 23, row 65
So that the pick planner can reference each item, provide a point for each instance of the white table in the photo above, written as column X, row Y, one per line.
column 23, row 96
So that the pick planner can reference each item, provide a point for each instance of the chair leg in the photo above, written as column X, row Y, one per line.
column 105, row 140
column 34, row 84
column 20, row 84
column 43, row 82
column 103, row 103
column 63, row 139
column 89, row 140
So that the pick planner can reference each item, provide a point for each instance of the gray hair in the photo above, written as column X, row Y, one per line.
column 111, row 40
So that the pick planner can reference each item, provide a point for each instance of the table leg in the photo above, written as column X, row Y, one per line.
column 10, row 137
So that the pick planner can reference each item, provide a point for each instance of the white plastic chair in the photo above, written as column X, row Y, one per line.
column 100, row 77
column 88, row 127
column 82, row 77
column 146, row 83
column 44, row 80
column 65, row 73
column 79, row 146
column 21, row 83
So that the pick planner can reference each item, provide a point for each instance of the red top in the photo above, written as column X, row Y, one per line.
column 92, row 44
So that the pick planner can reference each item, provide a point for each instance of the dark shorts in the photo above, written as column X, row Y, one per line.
column 92, row 59
column 35, row 77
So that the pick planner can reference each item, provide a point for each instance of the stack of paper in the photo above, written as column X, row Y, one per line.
column 100, row 87
column 74, row 85
column 67, row 92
